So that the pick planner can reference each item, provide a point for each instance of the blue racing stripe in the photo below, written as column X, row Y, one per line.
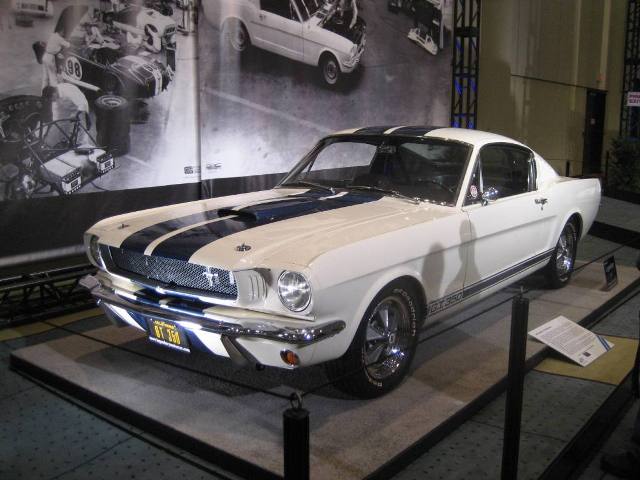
column 414, row 131
column 373, row 130
column 140, row 240
column 183, row 245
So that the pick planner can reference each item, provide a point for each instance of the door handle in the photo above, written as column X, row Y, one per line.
column 262, row 16
column 541, row 201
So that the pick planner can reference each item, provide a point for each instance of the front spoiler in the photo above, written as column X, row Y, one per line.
column 227, row 326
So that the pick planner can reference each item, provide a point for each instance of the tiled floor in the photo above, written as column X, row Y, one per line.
column 45, row 436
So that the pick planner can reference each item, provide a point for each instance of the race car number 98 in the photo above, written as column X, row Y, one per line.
column 73, row 67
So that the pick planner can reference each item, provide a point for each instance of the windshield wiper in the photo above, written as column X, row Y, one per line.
column 303, row 183
column 388, row 191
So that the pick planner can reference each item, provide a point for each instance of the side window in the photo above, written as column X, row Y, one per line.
column 507, row 169
column 282, row 8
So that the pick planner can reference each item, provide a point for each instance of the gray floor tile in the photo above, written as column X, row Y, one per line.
column 618, row 442
column 591, row 247
column 42, row 435
column 474, row 451
column 553, row 406
column 619, row 213
column 622, row 322
column 137, row 459
column 11, row 383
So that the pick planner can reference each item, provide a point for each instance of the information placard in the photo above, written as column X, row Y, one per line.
column 633, row 99
column 573, row 341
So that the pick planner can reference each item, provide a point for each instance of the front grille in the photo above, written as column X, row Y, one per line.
column 175, row 273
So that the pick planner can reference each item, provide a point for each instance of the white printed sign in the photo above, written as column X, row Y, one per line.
column 572, row 340
column 633, row 99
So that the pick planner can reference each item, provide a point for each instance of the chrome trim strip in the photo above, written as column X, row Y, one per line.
column 217, row 323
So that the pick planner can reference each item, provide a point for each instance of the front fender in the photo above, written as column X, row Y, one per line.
column 349, row 302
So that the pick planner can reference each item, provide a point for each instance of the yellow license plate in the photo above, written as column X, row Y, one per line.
column 168, row 334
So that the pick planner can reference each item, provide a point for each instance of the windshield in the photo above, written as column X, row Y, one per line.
column 308, row 8
column 423, row 168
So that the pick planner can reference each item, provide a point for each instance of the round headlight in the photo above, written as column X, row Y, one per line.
column 294, row 291
column 94, row 251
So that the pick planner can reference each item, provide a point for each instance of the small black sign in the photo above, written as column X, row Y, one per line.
column 610, row 272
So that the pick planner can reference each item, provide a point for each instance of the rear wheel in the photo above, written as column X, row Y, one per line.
column 560, row 267
column 382, row 350
column 237, row 35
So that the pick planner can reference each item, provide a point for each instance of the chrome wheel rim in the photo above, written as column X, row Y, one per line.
column 331, row 72
column 387, row 337
column 238, row 37
column 565, row 251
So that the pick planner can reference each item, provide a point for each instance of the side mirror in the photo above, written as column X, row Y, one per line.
column 489, row 195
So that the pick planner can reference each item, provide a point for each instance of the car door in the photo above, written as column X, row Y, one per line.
column 278, row 28
column 509, row 231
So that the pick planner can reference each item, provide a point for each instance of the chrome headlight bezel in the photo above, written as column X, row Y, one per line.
column 93, row 250
column 291, row 285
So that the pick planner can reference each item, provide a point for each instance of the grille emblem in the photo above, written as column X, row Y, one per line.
column 243, row 248
column 212, row 277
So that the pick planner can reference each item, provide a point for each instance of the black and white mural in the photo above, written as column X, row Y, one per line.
column 108, row 106
column 276, row 75
column 96, row 95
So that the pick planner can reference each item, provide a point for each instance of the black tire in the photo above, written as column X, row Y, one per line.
column 113, row 123
column 370, row 367
column 237, row 35
column 330, row 70
column 560, row 267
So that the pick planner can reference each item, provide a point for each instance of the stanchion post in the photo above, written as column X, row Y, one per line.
column 635, row 373
column 515, row 387
column 295, row 423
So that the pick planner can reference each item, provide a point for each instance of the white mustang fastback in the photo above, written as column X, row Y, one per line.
column 314, row 32
column 374, row 232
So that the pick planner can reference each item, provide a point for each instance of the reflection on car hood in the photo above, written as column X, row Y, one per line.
column 277, row 226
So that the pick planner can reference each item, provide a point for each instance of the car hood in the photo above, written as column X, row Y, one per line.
column 340, row 27
column 263, row 229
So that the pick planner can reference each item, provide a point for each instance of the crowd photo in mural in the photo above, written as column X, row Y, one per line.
column 96, row 95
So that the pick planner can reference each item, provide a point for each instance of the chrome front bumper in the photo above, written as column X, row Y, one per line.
column 226, row 325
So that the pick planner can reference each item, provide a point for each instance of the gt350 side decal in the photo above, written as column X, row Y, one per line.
column 443, row 303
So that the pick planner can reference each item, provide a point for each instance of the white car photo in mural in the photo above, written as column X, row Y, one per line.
column 146, row 21
column 310, row 31
column 371, row 234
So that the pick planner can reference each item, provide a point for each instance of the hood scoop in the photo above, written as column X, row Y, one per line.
column 274, row 211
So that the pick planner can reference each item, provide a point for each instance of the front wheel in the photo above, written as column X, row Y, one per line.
column 561, row 263
column 384, row 345
column 330, row 70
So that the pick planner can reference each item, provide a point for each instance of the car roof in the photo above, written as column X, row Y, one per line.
column 473, row 137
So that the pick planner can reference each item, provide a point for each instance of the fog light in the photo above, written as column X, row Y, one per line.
column 290, row 358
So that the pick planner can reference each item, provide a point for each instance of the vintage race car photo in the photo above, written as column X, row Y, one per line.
column 310, row 31
column 111, row 66
column 373, row 233
column 48, row 158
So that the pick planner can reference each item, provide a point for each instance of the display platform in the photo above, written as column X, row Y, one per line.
column 176, row 395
